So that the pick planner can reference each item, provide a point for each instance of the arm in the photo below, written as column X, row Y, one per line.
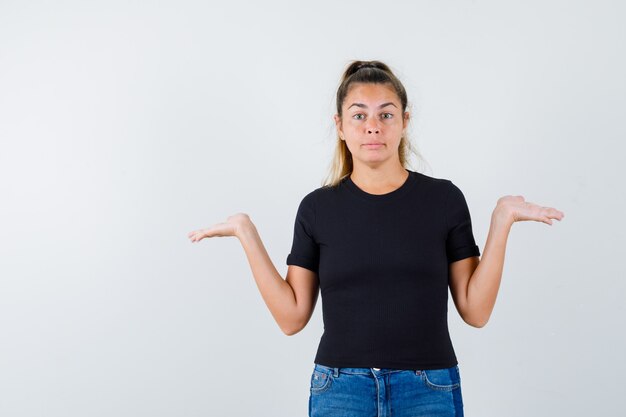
column 290, row 301
column 474, row 283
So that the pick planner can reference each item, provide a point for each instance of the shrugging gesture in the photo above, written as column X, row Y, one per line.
column 516, row 209
column 474, row 282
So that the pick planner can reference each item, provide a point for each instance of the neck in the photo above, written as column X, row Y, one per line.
column 379, row 179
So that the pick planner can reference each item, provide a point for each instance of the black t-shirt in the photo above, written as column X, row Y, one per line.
column 382, row 263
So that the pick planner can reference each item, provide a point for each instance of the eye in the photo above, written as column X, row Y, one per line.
column 390, row 115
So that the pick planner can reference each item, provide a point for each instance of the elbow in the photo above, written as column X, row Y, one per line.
column 477, row 323
column 291, row 330
column 475, row 317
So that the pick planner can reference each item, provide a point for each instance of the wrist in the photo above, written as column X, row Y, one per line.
column 246, row 230
column 502, row 217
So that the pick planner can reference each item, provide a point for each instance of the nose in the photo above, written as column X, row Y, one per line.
column 372, row 127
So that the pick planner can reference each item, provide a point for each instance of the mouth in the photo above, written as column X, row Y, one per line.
column 374, row 145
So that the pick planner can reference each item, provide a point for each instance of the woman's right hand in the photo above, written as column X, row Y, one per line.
column 233, row 226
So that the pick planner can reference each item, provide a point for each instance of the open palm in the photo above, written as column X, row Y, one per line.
column 520, row 210
column 231, row 227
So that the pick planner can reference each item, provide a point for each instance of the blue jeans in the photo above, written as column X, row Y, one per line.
column 373, row 392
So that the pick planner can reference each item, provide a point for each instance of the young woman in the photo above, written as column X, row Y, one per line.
column 383, row 243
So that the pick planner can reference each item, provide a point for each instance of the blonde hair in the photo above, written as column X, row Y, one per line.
column 365, row 72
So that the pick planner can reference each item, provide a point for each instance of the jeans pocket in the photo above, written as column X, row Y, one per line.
column 320, row 381
column 445, row 379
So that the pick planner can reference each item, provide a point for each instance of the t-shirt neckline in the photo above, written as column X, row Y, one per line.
column 382, row 197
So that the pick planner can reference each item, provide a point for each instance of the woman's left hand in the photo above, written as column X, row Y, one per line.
column 516, row 209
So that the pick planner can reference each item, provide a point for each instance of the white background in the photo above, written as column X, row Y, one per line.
column 126, row 125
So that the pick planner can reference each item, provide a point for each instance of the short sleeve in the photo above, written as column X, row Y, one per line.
column 305, row 249
column 460, row 243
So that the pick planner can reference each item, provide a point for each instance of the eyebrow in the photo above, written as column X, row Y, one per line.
column 364, row 106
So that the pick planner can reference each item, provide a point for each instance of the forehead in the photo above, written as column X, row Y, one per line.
column 371, row 94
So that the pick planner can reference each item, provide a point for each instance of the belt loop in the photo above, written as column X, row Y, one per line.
column 336, row 372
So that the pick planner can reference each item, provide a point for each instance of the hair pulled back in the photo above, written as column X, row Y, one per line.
column 373, row 72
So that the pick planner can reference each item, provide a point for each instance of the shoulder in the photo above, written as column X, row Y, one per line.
column 313, row 196
column 443, row 190
column 430, row 179
column 436, row 185
column 311, row 200
column 325, row 192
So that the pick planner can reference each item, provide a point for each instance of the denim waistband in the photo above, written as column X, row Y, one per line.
column 335, row 371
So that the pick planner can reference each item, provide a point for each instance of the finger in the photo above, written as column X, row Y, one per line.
column 200, row 234
column 556, row 214
column 549, row 212
column 195, row 233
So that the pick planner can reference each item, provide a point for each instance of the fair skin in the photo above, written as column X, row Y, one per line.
column 474, row 282
column 372, row 114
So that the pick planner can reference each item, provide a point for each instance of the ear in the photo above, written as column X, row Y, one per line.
column 338, row 125
column 405, row 121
